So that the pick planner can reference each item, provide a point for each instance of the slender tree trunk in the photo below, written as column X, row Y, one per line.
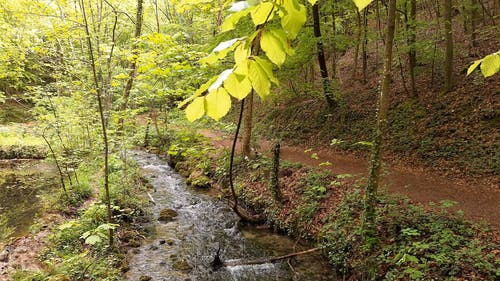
column 381, row 127
column 133, row 72
column 474, row 18
column 327, row 89
column 448, row 33
column 157, row 16
column 365, row 43
column 358, row 41
column 412, row 38
column 103, row 122
column 275, row 182
column 334, row 37
column 247, row 126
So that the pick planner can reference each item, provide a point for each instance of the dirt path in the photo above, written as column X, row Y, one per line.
column 479, row 201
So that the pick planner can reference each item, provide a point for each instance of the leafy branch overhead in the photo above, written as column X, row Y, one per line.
column 490, row 65
column 250, row 71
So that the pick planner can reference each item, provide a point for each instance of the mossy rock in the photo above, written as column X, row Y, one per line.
column 167, row 215
column 181, row 265
column 183, row 168
column 198, row 180
column 145, row 278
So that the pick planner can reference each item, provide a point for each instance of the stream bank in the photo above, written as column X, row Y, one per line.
column 414, row 241
column 183, row 246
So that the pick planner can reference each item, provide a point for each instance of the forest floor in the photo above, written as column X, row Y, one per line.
column 478, row 199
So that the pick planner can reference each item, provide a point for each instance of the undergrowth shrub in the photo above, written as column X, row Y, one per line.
column 413, row 243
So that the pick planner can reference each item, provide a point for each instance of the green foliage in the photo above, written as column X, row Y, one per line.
column 414, row 244
column 490, row 65
column 250, row 70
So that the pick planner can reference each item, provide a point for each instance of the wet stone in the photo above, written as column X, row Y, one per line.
column 167, row 215
column 181, row 265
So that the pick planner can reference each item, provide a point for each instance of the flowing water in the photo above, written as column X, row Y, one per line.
column 184, row 248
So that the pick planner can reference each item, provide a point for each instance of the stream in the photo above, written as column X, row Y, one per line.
column 184, row 248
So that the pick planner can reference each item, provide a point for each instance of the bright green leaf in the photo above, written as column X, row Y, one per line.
column 93, row 239
column 361, row 4
column 238, row 85
column 195, row 109
column 218, row 103
column 259, row 79
column 294, row 18
column 198, row 92
column 233, row 19
column 242, row 67
column 241, row 53
column 490, row 65
column 268, row 69
column 473, row 66
column 280, row 34
column 313, row 2
column 273, row 47
column 262, row 13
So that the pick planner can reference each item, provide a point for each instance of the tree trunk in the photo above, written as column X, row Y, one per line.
column 275, row 182
column 358, row 41
column 448, row 33
column 133, row 72
column 157, row 16
column 103, row 123
column 381, row 127
column 365, row 43
column 247, row 126
column 474, row 18
column 334, row 47
column 327, row 89
column 412, row 38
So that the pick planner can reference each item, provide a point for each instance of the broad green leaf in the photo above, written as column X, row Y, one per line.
column 107, row 226
column 231, row 20
column 361, row 4
column 280, row 34
column 242, row 67
column 490, row 65
column 218, row 103
column 262, row 13
column 195, row 109
column 294, row 18
column 268, row 69
column 273, row 47
column 238, row 85
column 198, row 92
column 241, row 53
column 259, row 79
column 473, row 66
column 93, row 239
column 313, row 2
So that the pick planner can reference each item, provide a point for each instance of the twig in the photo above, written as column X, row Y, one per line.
column 271, row 259
column 151, row 198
